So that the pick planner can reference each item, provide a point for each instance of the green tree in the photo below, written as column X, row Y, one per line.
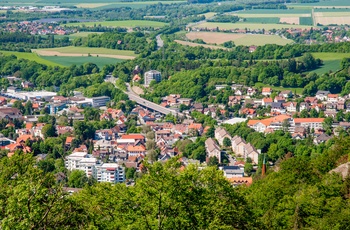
column 77, row 179
column 48, row 131
column 227, row 142
column 213, row 161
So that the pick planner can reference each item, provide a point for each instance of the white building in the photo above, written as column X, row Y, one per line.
column 105, row 172
column 152, row 75
column 98, row 101
column 109, row 172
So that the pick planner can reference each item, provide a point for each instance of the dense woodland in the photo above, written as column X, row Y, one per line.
column 136, row 41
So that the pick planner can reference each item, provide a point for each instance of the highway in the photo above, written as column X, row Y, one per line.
column 148, row 104
column 143, row 102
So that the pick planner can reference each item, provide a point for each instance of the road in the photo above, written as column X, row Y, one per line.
column 160, row 42
column 145, row 103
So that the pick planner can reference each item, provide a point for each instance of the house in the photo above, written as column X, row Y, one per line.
column 273, row 123
column 136, row 78
column 27, row 85
column 279, row 99
column 321, row 138
column 322, row 95
column 198, row 107
column 308, row 122
column 251, row 91
column 266, row 101
column 286, row 94
column 252, row 49
column 304, row 106
column 3, row 101
column 332, row 98
column 136, row 150
column 10, row 113
column 220, row 134
column 277, row 107
column 250, row 113
column 185, row 101
column 234, row 100
column 290, row 106
column 150, row 76
column 266, row 91
column 238, row 181
column 196, row 126
column 232, row 171
column 212, row 149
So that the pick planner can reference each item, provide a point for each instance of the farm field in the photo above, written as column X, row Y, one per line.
column 139, row 4
column 331, row 61
column 242, row 25
column 330, row 3
column 82, row 34
column 72, row 51
column 31, row 56
column 196, row 44
column 208, row 15
column 126, row 23
column 99, row 61
column 271, row 15
column 238, row 39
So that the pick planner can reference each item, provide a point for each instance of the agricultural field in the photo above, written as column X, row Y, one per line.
column 331, row 61
column 82, row 34
column 192, row 44
column 31, row 56
column 208, row 15
column 332, row 16
column 330, row 3
column 242, row 25
column 126, row 23
column 238, row 39
column 99, row 61
column 72, row 51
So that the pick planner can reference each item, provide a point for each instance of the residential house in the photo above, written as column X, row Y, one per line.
column 10, row 113
column 332, row 98
column 304, row 106
column 322, row 95
column 232, row 171
column 251, row 91
column 286, row 94
column 321, row 138
column 290, row 106
column 221, row 134
column 234, row 100
column 197, row 127
column 266, row 101
column 266, row 91
column 308, row 122
column 185, row 101
column 212, row 149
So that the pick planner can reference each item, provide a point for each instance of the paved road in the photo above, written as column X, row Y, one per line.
column 141, row 101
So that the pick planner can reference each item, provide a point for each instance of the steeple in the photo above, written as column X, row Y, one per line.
column 263, row 170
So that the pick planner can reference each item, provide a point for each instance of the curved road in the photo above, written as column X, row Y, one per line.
column 145, row 103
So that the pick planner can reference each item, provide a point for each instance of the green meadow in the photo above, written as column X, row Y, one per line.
column 126, row 23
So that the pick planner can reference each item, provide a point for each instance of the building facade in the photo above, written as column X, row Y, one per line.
column 152, row 75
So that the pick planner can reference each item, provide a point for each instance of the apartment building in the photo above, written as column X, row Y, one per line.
column 109, row 172
column 152, row 75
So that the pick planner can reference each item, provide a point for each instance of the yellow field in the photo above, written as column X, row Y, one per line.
column 238, row 39
column 251, row 26
column 333, row 20
column 290, row 20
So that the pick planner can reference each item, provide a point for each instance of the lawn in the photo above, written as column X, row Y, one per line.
column 242, row 25
column 326, row 56
column 238, row 39
column 279, row 88
column 68, row 61
column 31, row 56
column 88, row 50
column 126, row 23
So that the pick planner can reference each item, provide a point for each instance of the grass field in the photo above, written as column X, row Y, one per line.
column 196, row 44
column 271, row 20
column 277, row 88
column 72, row 51
column 330, row 3
column 270, row 12
column 126, row 23
column 238, row 39
column 208, row 15
column 82, row 34
column 242, row 25
column 32, row 57
column 271, row 15
column 331, row 61
column 99, row 61
column 307, row 21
